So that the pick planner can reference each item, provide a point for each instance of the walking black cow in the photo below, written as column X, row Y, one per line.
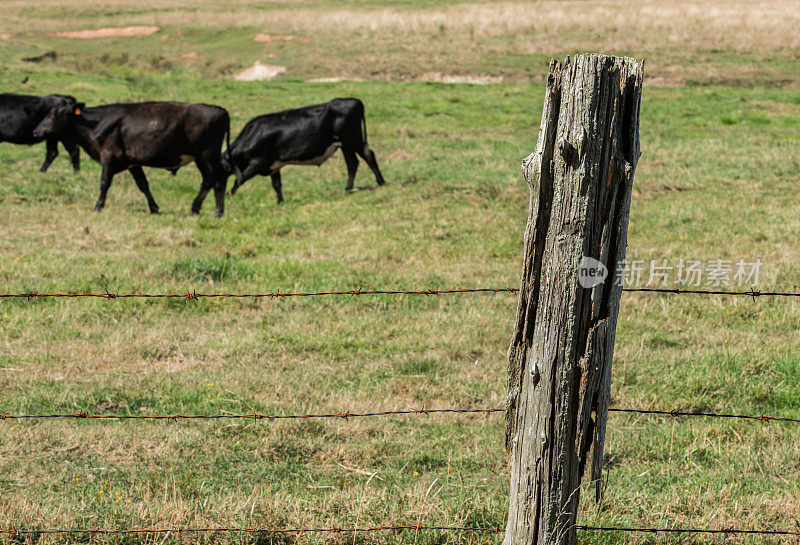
column 165, row 135
column 304, row 136
column 21, row 114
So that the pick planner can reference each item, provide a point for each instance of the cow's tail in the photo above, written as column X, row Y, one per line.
column 227, row 159
column 228, row 137
column 363, row 122
column 227, row 154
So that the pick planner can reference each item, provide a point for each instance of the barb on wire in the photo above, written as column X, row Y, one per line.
column 346, row 415
column 194, row 295
column 688, row 530
column 396, row 528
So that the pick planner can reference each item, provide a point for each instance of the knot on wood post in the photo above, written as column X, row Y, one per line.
column 568, row 151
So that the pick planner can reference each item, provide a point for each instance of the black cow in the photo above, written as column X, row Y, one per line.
column 21, row 114
column 305, row 136
column 165, row 135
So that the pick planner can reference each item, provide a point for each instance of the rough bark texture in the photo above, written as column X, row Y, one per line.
column 559, row 372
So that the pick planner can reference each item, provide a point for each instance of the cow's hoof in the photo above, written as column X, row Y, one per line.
column 97, row 208
column 194, row 212
column 155, row 212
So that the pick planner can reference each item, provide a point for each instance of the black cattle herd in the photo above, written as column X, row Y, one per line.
column 170, row 135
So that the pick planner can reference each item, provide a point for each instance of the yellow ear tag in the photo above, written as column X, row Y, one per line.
column 77, row 111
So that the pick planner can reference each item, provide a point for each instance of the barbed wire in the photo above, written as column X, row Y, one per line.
column 345, row 415
column 395, row 528
column 680, row 291
column 247, row 416
column 687, row 530
column 415, row 527
column 194, row 295
column 762, row 417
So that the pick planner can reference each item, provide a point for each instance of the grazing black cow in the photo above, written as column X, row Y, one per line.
column 165, row 135
column 305, row 136
column 21, row 114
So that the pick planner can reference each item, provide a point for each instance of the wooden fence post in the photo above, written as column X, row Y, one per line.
column 559, row 371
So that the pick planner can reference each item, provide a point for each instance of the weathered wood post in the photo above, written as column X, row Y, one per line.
column 559, row 362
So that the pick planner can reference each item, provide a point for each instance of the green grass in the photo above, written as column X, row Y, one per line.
column 717, row 179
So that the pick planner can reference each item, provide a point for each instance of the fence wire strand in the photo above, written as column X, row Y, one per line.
column 688, row 530
column 194, row 295
column 254, row 530
column 345, row 415
column 396, row 528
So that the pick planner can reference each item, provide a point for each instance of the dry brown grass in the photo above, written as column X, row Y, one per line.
column 683, row 40
column 625, row 24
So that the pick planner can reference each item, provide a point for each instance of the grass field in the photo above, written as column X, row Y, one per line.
column 718, row 180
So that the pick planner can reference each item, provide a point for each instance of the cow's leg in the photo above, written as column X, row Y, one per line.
column 74, row 151
column 276, row 185
column 219, row 194
column 105, row 182
column 144, row 187
column 369, row 157
column 219, row 179
column 52, row 153
column 213, row 178
column 205, row 187
column 351, row 161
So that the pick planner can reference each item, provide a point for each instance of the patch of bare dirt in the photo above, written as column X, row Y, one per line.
column 453, row 78
column 260, row 72
column 109, row 32
column 111, row 406
column 399, row 155
column 336, row 79
column 277, row 38
column 5, row 36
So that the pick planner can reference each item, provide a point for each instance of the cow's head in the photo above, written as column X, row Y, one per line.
column 64, row 109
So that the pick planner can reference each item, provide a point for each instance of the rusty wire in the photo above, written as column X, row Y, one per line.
column 749, row 293
column 688, row 530
column 345, row 415
column 194, row 295
column 397, row 528
column 254, row 530
column 762, row 417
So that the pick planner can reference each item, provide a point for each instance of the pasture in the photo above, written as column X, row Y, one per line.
column 717, row 179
